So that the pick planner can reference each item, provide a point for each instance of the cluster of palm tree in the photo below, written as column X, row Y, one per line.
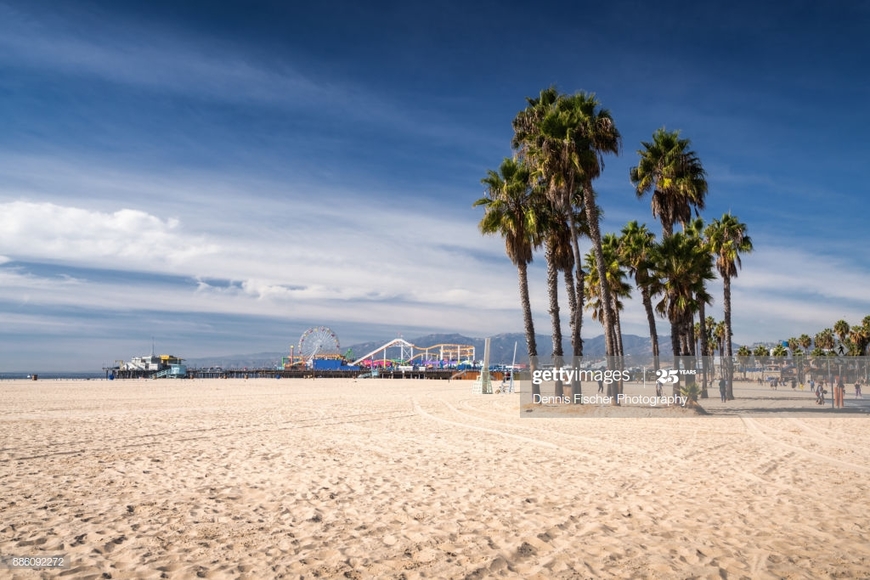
column 542, row 197
column 855, row 339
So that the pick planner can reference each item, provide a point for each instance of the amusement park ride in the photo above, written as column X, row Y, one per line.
column 319, row 348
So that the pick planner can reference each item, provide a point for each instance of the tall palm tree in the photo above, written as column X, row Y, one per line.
column 637, row 248
column 559, row 259
column 532, row 146
column 566, row 137
column 695, row 229
column 512, row 210
column 728, row 240
column 674, row 174
column 619, row 288
column 682, row 266
column 575, row 289
column 596, row 135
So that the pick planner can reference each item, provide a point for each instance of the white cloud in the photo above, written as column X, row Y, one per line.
column 126, row 238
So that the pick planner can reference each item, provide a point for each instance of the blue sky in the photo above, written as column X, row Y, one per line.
column 222, row 176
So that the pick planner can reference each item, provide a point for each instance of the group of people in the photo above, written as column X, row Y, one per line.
column 839, row 393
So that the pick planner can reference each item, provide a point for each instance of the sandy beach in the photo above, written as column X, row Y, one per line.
column 417, row 479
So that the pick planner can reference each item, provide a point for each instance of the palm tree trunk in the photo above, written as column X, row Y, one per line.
column 553, row 293
column 576, row 319
column 726, row 307
column 685, row 336
column 675, row 347
column 690, row 333
column 620, row 350
column 651, row 319
column 576, row 340
column 528, row 323
column 704, row 362
column 617, row 327
column 570, row 290
column 575, row 333
column 675, row 338
column 595, row 237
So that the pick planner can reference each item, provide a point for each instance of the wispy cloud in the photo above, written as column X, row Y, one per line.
column 145, row 56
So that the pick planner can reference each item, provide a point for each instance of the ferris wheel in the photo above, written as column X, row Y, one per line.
column 318, row 341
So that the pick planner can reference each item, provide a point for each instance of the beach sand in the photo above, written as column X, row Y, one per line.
column 416, row 479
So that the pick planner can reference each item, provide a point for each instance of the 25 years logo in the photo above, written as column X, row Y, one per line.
column 672, row 376
column 666, row 376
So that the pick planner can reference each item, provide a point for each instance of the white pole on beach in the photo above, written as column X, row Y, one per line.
column 513, row 367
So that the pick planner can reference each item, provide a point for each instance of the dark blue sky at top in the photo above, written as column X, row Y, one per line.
column 406, row 104
column 757, row 87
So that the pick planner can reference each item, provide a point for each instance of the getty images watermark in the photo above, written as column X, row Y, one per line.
column 608, row 377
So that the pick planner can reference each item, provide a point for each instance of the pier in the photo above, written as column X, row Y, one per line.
column 212, row 373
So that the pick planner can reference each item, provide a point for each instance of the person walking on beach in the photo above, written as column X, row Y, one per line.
column 600, row 386
column 858, row 389
column 820, row 393
column 723, row 390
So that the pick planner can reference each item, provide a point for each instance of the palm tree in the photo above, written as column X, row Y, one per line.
column 512, row 210
column 743, row 354
column 805, row 341
column 566, row 137
column 824, row 339
column 780, row 352
column 533, row 146
column 761, row 353
column 683, row 268
column 575, row 291
column 859, row 338
column 728, row 240
column 559, row 258
column 841, row 329
column 637, row 248
column 619, row 288
column 710, row 323
column 719, row 332
column 695, row 229
column 674, row 175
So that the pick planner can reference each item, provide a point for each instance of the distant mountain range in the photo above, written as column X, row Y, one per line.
column 501, row 349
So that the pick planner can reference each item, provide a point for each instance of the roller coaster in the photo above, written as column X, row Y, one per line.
column 322, row 343
column 404, row 353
